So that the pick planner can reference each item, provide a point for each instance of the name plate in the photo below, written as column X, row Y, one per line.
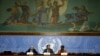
column 46, row 53
column 64, row 54
column 30, row 53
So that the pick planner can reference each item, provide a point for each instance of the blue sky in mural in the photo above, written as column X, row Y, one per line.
column 77, row 44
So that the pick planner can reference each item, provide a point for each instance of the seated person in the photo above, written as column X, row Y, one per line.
column 61, row 50
column 48, row 49
column 31, row 49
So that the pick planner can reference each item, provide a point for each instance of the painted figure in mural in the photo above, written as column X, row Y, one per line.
column 55, row 10
column 15, row 14
column 18, row 2
column 40, row 13
column 81, row 15
column 25, row 12
column 84, row 14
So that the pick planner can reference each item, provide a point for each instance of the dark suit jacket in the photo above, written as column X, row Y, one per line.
column 50, row 50
column 34, row 51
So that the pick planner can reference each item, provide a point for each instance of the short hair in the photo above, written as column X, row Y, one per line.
column 48, row 45
column 62, row 46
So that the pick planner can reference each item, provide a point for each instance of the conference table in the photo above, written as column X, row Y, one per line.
column 69, row 54
column 37, row 55
column 48, row 55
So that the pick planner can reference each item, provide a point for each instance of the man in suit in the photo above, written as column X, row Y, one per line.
column 31, row 49
column 48, row 49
